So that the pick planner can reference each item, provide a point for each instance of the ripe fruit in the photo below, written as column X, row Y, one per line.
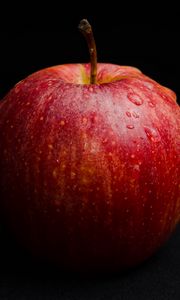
column 89, row 173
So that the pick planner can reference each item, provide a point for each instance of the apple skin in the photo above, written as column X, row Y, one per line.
column 89, row 174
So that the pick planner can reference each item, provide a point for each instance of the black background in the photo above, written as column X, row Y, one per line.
column 143, row 35
column 140, row 34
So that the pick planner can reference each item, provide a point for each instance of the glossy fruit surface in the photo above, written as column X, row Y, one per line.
column 89, row 173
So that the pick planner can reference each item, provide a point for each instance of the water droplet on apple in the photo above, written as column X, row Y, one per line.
column 130, row 126
column 86, row 95
column 151, row 104
column 50, row 83
column 135, row 98
column 128, row 114
column 91, row 89
column 54, row 173
column 136, row 167
column 166, row 98
column 84, row 120
column 151, row 133
column 105, row 140
column 149, row 85
column 17, row 88
column 73, row 174
column 135, row 115
column 62, row 122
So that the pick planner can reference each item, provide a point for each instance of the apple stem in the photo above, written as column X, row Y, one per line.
column 86, row 30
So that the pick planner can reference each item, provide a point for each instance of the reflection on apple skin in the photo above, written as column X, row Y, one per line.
column 89, row 173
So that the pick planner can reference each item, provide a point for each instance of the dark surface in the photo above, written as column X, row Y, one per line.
column 23, row 278
column 33, row 38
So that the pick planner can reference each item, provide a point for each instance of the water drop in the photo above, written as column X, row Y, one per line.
column 151, row 104
column 84, row 120
column 135, row 98
column 91, row 89
column 151, row 133
column 62, row 123
column 136, row 167
column 17, row 88
column 165, row 97
column 128, row 114
column 130, row 126
column 135, row 115
column 148, row 85
column 86, row 96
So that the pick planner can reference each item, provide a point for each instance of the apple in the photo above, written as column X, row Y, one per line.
column 89, row 164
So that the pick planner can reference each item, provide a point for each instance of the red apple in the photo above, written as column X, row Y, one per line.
column 89, row 173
